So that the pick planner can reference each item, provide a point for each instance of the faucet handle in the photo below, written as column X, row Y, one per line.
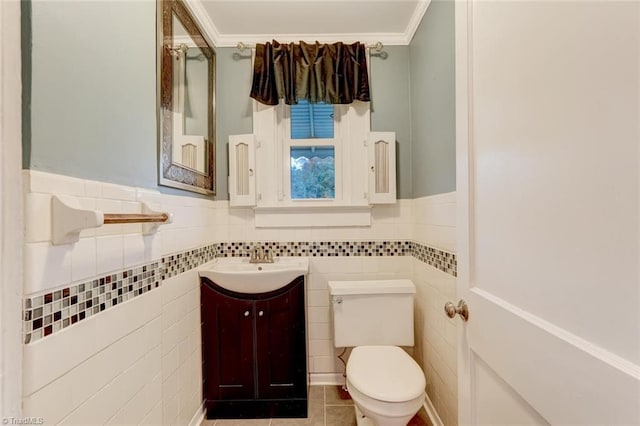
column 253, row 253
column 268, row 255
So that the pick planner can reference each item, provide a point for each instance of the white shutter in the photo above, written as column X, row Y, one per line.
column 382, row 167
column 242, row 166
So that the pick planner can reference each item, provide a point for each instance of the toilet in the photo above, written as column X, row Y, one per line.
column 375, row 318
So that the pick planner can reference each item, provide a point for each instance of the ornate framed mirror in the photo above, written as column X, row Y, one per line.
column 186, row 118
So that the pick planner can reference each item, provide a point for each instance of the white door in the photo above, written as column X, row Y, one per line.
column 548, row 129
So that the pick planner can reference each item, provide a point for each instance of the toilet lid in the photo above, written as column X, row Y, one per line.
column 385, row 373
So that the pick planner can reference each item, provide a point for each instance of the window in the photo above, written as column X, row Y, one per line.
column 313, row 170
column 311, row 154
column 315, row 165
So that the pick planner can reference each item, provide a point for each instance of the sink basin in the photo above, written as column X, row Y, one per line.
column 243, row 277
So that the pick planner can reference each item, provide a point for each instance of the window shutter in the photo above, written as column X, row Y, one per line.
column 382, row 167
column 311, row 120
column 242, row 177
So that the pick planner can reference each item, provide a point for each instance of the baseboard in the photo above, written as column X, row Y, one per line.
column 317, row 379
column 431, row 412
column 198, row 417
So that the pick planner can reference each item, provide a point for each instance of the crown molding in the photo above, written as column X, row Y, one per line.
column 389, row 39
column 416, row 18
column 231, row 40
column 204, row 21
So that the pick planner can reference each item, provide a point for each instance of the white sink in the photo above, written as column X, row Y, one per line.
column 239, row 275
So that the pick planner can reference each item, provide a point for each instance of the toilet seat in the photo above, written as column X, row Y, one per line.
column 385, row 373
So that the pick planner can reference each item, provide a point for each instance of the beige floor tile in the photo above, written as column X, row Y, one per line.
column 316, row 393
column 244, row 422
column 328, row 406
column 335, row 395
column 340, row 415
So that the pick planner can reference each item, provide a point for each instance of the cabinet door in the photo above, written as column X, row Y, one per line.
column 281, row 347
column 227, row 336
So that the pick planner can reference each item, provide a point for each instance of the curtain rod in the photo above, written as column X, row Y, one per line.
column 377, row 47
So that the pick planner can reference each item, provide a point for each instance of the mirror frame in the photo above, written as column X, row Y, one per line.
column 173, row 174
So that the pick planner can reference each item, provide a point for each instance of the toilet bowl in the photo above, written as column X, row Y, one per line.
column 386, row 385
column 375, row 318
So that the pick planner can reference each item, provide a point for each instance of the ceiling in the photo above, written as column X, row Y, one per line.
column 228, row 22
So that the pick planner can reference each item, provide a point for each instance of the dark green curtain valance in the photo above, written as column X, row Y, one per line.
column 331, row 73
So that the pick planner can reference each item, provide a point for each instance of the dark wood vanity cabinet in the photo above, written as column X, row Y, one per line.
column 254, row 352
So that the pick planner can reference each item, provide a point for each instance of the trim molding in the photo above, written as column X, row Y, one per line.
column 203, row 19
column 431, row 411
column 198, row 416
column 217, row 39
column 11, row 210
column 318, row 379
column 416, row 18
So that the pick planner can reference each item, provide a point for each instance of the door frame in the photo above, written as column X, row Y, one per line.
column 11, row 217
column 463, row 116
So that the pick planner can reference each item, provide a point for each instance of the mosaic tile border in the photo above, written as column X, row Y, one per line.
column 320, row 248
column 439, row 259
column 54, row 311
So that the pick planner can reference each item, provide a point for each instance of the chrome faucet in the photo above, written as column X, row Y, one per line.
column 259, row 254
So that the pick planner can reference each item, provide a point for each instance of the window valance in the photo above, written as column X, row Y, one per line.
column 332, row 73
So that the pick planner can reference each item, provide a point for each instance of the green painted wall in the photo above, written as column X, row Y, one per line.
column 432, row 71
column 93, row 91
column 90, row 96
column 391, row 108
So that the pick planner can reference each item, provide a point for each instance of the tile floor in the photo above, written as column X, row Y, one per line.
column 328, row 406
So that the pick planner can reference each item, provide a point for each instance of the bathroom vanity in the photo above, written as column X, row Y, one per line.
column 254, row 348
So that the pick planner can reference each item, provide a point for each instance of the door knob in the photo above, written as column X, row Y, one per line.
column 246, row 313
column 261, row 313
column 462, row 309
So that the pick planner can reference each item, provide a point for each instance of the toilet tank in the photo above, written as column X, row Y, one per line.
column 373, row 312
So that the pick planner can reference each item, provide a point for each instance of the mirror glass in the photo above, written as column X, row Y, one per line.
column 187, row 78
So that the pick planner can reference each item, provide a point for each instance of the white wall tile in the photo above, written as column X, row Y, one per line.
column 109, row 253
column 100, row 407
column 50, row 183
column 93, row 188
column 73, row 387
column 134, row 250
column 141, row 405
column 175, row 305
column 320, row 331
column 152, row 246
column 118, row 192
column 37, row 218
column 318, row 298
column 46, row 266
column 318, row 314
column 83, row 259
column 320, row 347
column 154, row 417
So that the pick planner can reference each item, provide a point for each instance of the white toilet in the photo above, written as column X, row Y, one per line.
column 375, row 318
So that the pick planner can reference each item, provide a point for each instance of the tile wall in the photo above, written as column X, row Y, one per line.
column 436, row 335
column 144, row 289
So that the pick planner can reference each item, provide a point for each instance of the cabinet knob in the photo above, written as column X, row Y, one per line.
column 261, row 313
column 246, row 313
